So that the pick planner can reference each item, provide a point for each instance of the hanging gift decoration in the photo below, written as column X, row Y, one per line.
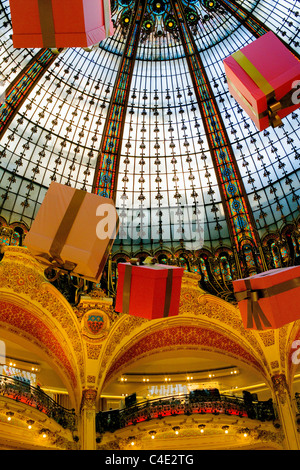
column 264, row 79
column 60, row 23
column 151, row 291
column 73, row 231
column 269, row 300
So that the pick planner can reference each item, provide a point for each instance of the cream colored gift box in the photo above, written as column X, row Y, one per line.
column 74, row 228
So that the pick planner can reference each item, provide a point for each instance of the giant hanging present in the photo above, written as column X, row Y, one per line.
column 74, row 231
column 269, row 300
column 263, row 77
column 60, row 23
column 150, row 291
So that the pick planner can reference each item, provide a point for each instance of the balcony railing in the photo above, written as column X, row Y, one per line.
column 110, row 421
column 24, row 393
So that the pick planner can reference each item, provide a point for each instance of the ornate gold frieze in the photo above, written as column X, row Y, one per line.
column 281, row 388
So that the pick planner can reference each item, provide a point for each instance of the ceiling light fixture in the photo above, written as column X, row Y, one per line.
column 9, row 415
column 30, row 422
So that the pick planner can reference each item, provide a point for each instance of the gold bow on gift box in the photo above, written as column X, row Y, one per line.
column 254, row 310
column 274, row 105
column 55, row 264
column 255, row 313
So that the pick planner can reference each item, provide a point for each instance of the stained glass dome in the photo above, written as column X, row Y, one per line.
column 146, row 117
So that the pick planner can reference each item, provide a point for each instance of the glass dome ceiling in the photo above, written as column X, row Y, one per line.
column 164, row 156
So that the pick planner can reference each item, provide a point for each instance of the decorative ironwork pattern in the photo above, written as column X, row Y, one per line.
column 164, row 157
column 256, row 27
column 108, row 160
column 230, row 183
column 20, row 88
column 110, row 421
column 32, row 396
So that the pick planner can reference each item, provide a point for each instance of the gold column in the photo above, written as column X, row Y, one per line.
column 88, row 420
column 287, row 415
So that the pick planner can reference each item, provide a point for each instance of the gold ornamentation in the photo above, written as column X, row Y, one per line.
column 93, row 351
column 89, row 398
column 23, row 277
column 267, row 337
column 281, row 388
column 95, row 324
column 274, row 365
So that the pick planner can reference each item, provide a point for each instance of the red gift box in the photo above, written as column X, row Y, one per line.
column 263, row 78
column 269, row 300
column 60, row 23
column 149, row 292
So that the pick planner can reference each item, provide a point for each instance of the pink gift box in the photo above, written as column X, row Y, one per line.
column 263, row 78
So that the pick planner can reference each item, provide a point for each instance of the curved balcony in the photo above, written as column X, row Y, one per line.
column 24, row 393
column 113, row 420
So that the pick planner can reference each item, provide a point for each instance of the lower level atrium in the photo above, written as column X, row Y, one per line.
column 195, row 381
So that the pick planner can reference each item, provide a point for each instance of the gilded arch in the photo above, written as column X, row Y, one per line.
column 33, row 309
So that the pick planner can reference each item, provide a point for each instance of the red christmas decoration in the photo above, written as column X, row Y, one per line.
column 149, row 292
column 269, row 300
column 60, row 23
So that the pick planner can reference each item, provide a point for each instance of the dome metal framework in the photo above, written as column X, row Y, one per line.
column 146, row 118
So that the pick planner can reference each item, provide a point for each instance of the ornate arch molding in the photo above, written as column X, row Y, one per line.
column 33, row 309
column 188, row 335
column 36, row 335
column 210, row 316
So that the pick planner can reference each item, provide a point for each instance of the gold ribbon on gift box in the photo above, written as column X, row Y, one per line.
column 274, row 105
column 47, row 23
column 255, row 313
column 127, row 288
